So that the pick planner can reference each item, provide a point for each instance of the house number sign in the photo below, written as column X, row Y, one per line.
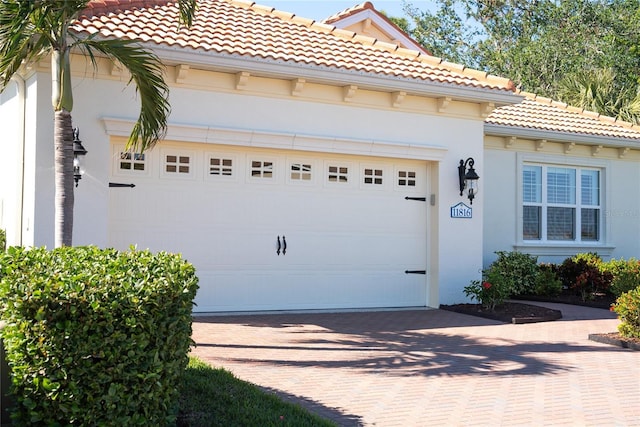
column 461, row 211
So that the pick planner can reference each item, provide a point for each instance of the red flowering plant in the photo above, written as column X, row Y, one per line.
column 491, row 291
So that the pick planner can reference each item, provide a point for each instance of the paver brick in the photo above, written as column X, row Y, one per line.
column 432, row 367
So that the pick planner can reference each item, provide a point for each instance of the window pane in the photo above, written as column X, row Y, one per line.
column 561, row 185
column 560, row 223
column 531, row 224
column 590, row 183
column 590, row 224
column 532, row 184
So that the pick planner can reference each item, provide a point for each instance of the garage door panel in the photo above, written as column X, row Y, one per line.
column 348, row 246
column 312, row 290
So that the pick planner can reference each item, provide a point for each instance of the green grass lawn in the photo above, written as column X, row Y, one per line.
column 214, row 397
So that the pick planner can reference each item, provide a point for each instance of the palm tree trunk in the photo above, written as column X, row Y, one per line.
column 63, row 141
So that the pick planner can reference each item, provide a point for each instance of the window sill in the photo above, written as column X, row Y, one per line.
column 563, row 249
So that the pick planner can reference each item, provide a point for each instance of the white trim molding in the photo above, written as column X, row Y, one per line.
column 284, row 140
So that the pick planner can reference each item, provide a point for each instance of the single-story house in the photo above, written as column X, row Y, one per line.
column 315, row 165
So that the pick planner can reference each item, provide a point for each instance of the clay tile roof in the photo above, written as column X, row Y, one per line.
column 538, row 113
column 349, row 11
column 238, row 27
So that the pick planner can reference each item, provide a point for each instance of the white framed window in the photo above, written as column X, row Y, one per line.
column 132, row 162
column 338, row 173
column 561, row 203
column 406, row 178
column 300, row 172
column 261, row 169
column 177, row 163
column 373, row 176
column 220, row 166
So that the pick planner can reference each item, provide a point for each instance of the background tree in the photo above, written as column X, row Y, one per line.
column 33, row 29
column 543, row 45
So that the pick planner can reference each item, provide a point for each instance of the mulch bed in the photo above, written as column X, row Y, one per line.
column 509, row 312
column 518, row 313
column 614, row 338
column 597, row 301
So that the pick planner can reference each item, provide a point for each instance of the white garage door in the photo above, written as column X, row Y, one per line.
column 276, row 230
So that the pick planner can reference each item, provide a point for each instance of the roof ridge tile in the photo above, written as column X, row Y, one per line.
column 429, row 59
column 262, row 8
column 366, row 40
column 453, row 66
column 543, row 99
column 575, row 109
column 321, row 26
column 408, row 53
column 349, row 35
column 349, row 11
column 625, row 124
column 591, row 114
column 307, row 22
column 245, row 4
column 501, row 81
column 287, row 16
column 392, row 47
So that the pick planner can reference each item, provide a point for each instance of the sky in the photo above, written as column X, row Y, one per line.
column 321, row 9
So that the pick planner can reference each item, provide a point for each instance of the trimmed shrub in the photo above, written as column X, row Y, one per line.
column 626, row 275
column 95, row 337
column 547, row 281
column 584, row 274
column 3, row 240
column 518, row 271
column 627, row 307
column 492, row 291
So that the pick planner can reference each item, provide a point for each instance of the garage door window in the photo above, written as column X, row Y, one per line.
column 132, row 161
column 177, row 164
column 219, row 166
column 338, row 174
column 373, row 176
column 407, row 178
column 300, row 172
column 261, row 169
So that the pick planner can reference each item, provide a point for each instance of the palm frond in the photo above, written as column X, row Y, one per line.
column 30, row 29
column 146, row 72
column 187, row 11
column 19, row 39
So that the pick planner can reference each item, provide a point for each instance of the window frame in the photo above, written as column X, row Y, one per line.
column 178, row 152
column 545, row 246
column 118, row 150
column 236, row 166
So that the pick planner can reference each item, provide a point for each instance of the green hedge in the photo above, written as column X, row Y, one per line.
column 96, row 337
column 627, row 307
column 3, row 240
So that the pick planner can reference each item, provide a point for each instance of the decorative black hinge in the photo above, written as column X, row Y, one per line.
column 415, row 272
column 118, row 185
column 417, row 199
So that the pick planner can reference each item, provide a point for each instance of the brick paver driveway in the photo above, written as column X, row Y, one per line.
column 432, row 367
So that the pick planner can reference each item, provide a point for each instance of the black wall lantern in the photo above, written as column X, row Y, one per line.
column 468, row 178
column 78, row 152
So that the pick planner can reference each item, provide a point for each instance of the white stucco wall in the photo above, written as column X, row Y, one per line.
column 11, row 112
column 620, row 205
column 455, row 245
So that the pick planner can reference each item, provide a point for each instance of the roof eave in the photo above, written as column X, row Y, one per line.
column 335, row 76
column 559, row 136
